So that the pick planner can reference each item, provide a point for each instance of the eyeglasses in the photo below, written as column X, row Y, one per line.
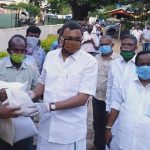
column 20, row 51
column 70, row 38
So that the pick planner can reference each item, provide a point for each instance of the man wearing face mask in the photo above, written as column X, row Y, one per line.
column 146, row 38
column 68, row 77
column 134, row 115
column 33, row 46
column 90, row 41
column 14, row 69
column 121, row 70
column 104, row 59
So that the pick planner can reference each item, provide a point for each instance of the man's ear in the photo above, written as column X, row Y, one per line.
column 61, row 41
column 136, row 47
column 112, row 45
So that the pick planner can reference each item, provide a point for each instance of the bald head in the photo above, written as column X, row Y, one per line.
column 17, row 44
column 17, row 39
column 106, row 37
column 106, row 40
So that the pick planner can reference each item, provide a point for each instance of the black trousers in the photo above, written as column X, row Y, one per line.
column 26, row 144
column 99, row 123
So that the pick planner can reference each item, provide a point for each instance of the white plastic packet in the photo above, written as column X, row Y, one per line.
column 13, row 85
column 15, row 129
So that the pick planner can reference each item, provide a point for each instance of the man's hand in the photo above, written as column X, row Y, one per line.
column 36, row 109
column 3, row 95
column 7, row 112
column 108, row 137
column 43, row 108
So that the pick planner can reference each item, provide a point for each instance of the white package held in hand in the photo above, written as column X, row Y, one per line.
column 15, row 129
column 13, row 85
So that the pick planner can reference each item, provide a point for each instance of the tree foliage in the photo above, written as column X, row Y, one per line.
column 33, row 10
column 80, row 8
column 36, row 2
column 140, row 8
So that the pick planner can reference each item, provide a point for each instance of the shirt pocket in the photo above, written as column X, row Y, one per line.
column 147, row 110
column 73, row 81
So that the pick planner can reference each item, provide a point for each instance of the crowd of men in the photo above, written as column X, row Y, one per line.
column 82, row 63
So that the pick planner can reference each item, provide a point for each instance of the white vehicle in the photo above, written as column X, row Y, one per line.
column 51, row 16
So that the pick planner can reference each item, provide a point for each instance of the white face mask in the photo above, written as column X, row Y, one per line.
column 32, row 44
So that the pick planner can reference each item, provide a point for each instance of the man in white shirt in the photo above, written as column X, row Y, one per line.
column 90, row 41
column 68, row 77
column 146, row 38
column 137, row 33
column 134, row 115
column 99, row 107
column 121, row 70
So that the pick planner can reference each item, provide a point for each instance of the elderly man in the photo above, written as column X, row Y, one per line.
column 68, row 77
column 104, row 59
column 134, row 115
column 14, row 69
column 121, row 70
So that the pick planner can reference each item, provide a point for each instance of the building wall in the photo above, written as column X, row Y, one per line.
column 6, row 34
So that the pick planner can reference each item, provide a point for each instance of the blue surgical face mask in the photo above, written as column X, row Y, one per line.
column 105, row 49
column 143, row 72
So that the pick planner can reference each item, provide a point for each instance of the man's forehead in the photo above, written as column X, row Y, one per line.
column 18, row 40
column 74, row 32
column 127, row 40
column 105, row 40
column 144, row 57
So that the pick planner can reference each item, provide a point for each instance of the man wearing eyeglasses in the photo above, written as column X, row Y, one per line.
column 14, row 69
column 104, row 59
column 68, row 77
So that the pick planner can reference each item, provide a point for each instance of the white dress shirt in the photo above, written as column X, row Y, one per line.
column 133, row 131
column 146, row 35
column 119, row 72
column 137, row 34
column 63, row 80
column 88, row 47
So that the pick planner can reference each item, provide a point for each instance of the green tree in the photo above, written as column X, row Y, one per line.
column 36, row 2
column 81, row 8
column 140, row 8
column 32, row 9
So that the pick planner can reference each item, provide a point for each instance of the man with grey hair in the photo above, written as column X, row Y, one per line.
column 119, row 72
column 104, row 59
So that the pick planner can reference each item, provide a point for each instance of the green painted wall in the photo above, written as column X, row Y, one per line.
column 7, row 20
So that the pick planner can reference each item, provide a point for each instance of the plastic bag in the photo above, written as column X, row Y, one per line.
column 15, row 129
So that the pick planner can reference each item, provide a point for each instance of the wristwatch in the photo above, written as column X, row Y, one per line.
column 52, row 106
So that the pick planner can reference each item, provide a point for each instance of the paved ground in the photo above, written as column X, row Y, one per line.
column 90, row 133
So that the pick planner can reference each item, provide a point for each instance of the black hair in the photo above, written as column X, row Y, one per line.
column 17, row 35
column 130, row 36
column 33, row 29
column 139, row 54
column 72, row 25
column 58, row 31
